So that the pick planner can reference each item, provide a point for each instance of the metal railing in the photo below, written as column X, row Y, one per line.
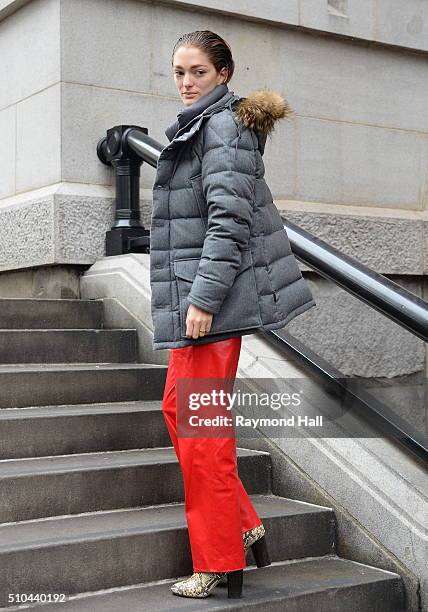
column 126, row 147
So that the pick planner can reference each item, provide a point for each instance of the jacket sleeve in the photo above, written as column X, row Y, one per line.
column 228, row 181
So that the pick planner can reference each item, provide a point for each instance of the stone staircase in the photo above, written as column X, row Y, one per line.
column 91, row 497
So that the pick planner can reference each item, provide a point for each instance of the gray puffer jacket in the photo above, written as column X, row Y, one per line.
column 217, row 239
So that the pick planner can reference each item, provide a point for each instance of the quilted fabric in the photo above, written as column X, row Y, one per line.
column 217, row 239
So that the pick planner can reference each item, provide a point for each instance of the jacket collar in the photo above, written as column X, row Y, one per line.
column 187, row 131
column 189, row 112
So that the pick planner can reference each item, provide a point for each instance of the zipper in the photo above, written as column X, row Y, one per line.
column 175, row 164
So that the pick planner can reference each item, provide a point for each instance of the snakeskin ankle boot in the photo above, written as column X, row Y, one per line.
column 255, row 539
column 200, row 584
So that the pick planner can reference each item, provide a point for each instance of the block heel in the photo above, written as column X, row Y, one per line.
column 260, row 552
column 234, row 584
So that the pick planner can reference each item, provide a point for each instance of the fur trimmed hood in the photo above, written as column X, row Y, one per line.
column 262, row 109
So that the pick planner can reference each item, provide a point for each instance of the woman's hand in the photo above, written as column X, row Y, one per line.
column 197, row 320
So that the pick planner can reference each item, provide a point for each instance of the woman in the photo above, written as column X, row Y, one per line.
column 221, row 266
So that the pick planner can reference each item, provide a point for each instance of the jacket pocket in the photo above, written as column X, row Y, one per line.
column 198, row 192
column 240, row 308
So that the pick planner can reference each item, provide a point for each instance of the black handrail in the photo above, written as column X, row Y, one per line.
column 332, row 379
column 381, row 293
column 395, row 302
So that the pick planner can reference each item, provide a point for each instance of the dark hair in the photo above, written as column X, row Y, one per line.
column 217, row 49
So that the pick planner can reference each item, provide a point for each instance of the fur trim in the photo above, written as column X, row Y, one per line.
column 262, row 109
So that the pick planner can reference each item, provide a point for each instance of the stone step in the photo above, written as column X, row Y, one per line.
column 68, row 345
column 81, row 428
column 23, row 385
column 69, row 484
column 34, row 313
column 91, row 492
column 71, row 554
column 326, row 584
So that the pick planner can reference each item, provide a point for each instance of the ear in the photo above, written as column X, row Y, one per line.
column 224, row 73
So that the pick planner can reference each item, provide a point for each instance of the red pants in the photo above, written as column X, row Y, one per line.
column 218, row 509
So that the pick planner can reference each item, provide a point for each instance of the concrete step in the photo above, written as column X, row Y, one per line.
column 68, row 345
column 326, row 584
column 24, row 385
column 71, row 554
column 33, row 313
column 68, row 484
column 81, row 428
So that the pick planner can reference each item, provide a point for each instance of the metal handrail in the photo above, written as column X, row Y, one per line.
column 382, row 294
column 331, row 379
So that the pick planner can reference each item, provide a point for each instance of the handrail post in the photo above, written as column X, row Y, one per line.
column 127, row 233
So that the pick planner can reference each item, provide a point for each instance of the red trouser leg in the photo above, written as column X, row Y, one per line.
column 218, row 509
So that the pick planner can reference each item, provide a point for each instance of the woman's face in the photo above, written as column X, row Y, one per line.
column 194, row 74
